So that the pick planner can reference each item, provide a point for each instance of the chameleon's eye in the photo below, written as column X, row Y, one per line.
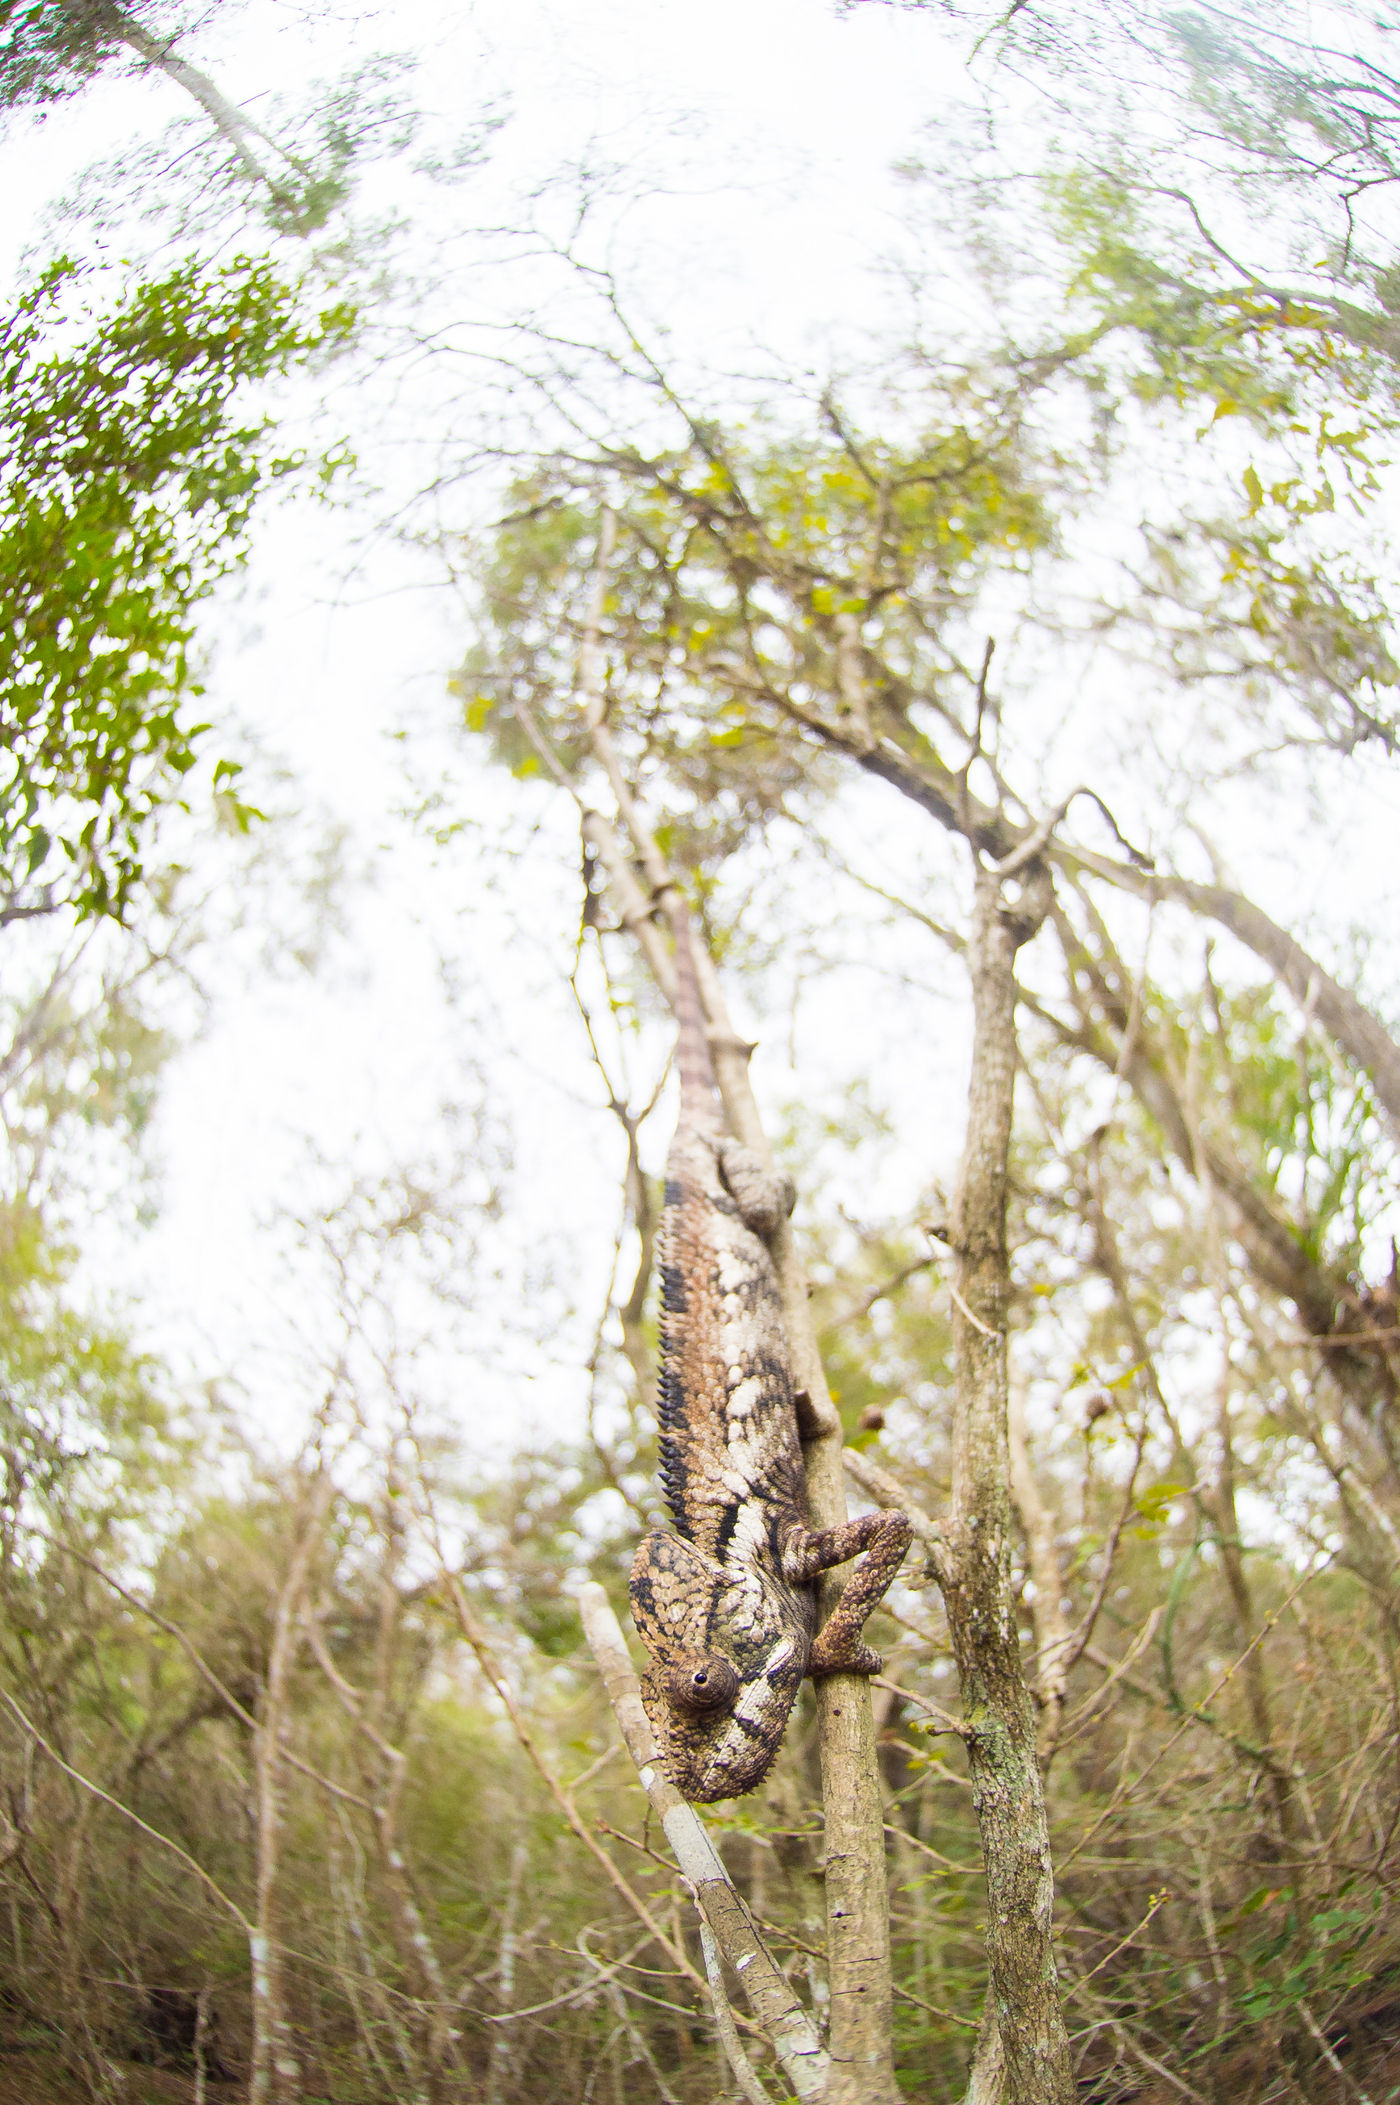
column 705, row 1682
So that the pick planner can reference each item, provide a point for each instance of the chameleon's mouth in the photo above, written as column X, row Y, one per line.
column 736, row 1758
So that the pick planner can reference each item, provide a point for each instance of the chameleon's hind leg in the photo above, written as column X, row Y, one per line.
column 879, row 1540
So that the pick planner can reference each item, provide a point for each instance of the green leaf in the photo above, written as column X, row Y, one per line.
column 128, row 475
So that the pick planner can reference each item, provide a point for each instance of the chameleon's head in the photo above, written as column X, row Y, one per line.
column 726, row 1664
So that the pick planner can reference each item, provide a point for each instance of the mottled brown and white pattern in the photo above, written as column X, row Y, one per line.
column 725, row 1605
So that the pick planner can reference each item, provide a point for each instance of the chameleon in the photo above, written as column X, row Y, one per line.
column 725, row 1602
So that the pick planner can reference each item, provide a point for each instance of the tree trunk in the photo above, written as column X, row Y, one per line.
column 498, row 2068
column 1007, row 1791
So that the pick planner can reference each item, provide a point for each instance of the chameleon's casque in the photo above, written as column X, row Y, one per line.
column 725, row 1605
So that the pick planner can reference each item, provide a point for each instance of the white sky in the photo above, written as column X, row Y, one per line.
column 772, row 125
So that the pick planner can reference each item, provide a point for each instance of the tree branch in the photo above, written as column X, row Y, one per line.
column 727, row 1918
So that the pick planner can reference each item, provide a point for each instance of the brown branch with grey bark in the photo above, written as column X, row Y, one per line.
column 233, row 124
column 737, row 1936
column 1008, row 1792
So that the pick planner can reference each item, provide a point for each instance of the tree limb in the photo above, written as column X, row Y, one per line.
column 727, row 1918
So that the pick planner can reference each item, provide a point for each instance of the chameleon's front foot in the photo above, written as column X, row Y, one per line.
column 880, row 1541
column 857, row 1658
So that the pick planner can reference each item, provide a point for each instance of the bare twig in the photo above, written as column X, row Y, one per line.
column 204, row 1670
column 946, row 1721
column 571, row 1995
column 486, row 1659
column 1198, row 1712
column 1115, row 1670
column 1331, row 2057
column 734, row 2053
column 617, row 1996
column 153, row 1834
column 963, row 1309
column 886, row 1490
column 1158, row 1900
column 883, row 1291
column 1089, row 1620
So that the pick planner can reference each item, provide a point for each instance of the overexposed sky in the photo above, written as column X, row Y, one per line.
column 742, row 160
column 746, row 153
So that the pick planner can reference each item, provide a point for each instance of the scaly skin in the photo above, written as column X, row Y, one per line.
column 725, row 1605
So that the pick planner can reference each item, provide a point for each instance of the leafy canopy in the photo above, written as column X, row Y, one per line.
column 128, row 473
column 50, row 49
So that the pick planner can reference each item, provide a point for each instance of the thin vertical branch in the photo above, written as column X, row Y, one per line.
column 725, row 2026
column 770, row 1994
column 1053, row 1640
column 201, row 2034
column 498, row 2068
column 1024, row 2007
column 274, row 2076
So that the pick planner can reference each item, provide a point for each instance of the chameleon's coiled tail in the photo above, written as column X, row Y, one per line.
column 699, row 1090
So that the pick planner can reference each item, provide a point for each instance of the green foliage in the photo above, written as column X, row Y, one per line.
column 740, row 561
column 81, row 1408
column 129, row 468
column 1170, row 320
column 1216, row 274
column 50, row 49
